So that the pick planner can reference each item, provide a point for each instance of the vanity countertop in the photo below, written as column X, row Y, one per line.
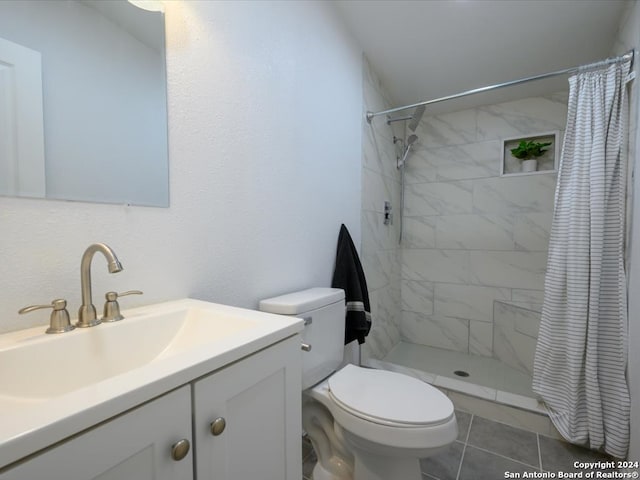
column 87, row 376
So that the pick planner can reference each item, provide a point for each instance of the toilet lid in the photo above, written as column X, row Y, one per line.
column 389, row 397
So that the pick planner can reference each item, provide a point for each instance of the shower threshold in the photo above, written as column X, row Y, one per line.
column 482, row 377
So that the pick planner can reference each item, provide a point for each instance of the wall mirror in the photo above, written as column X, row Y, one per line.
column 83, row 104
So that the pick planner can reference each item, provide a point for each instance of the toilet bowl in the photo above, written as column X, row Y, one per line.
column 364, row 424
column 388, row 421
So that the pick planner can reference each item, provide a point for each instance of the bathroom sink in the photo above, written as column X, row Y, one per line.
column 51, row 365
column 52, row 386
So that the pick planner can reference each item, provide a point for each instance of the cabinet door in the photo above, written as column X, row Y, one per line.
column 134, row 446
column 259, row 399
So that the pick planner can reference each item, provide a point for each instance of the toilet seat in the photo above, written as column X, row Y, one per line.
column 389, row 398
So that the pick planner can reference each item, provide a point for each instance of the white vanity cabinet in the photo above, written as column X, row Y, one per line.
column 136, row 445
column 247, row 418
column 259, row 398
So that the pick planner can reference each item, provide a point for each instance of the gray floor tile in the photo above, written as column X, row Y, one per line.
column 504, row 440
column 559, row 456
column 444, row 465
column 308, row 464
column 307, row 449
column 463, row 419
column 481, row 465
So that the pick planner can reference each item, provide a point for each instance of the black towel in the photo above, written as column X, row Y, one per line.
column 349, row 276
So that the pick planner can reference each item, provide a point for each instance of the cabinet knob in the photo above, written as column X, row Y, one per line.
column 306, row 347
column 180, row 449
column 217, row 426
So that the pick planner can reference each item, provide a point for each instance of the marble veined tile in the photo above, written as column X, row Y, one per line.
column 460, row 162
column 377, row 268
column 375, row 234
column 527, row 296
column 481, row 338
column 419, row 232
column 475, row 232
column 523, row 270
column 527, row 319
column 417, row 296
column 381, row 131
column 373, row 300
column 519, row 194
column 436, row 331
column 521, row 117
column 378, row 188
column 379, row 341
column 561, row 96
column 468, row 301
column 378, row 153
column 448, row 129
column 384, row 333
column 418, row 169
column 438, row 198
column 510, row 346
column 389, row 309
column 370, row 350
column 531, row 231
column 451, row 266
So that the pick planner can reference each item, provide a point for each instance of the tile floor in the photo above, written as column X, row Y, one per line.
column 485, row 450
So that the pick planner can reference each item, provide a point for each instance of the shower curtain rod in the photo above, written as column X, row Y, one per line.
column 629, row 55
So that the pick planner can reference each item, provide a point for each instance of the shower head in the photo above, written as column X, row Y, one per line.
column 410, row 141
column 416, row 117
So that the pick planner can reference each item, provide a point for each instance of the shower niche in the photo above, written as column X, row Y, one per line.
column 531, row 154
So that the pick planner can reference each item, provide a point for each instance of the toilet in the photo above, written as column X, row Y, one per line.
column 364, row 424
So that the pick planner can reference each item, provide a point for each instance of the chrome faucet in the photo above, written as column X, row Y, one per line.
column 87, row 314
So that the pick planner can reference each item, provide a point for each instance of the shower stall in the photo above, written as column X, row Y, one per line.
column 457, row 301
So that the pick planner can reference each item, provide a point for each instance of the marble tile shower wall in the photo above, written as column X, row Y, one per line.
column 380, row 250
column 472, row 237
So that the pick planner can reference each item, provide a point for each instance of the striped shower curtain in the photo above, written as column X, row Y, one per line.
column 581, row 355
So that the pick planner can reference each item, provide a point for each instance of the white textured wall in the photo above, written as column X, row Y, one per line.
column 265, row 108
column 629, row 37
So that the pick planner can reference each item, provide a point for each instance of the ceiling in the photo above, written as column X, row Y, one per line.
column 146, row 25
column 426, row 49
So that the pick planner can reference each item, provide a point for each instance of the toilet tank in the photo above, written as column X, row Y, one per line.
column 323, row 311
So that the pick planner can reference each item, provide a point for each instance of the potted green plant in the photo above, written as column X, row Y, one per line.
column 528, row 152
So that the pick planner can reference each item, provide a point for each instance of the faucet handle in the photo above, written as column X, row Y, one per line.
column 111, row 312
column 59, row 321
column 115, row 295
